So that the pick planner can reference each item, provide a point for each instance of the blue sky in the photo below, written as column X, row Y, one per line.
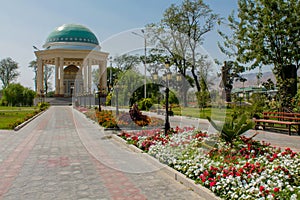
column 28, row 23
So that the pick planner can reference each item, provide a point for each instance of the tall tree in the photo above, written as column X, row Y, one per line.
column 232, row 68
column 125, row 61
column 181, row 32
column 48, row 71
column 114, row 73
column 268, row 35
column 33, row 65
column 229, row 73
column 8, row 71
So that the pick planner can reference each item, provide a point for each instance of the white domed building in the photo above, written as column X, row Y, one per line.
column 73, row 49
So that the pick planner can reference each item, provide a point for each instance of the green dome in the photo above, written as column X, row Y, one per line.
column 72, row 33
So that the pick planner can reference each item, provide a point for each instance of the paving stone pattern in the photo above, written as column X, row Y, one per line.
column 63, row 155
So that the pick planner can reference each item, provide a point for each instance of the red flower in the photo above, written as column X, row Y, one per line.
column 205, row 173
column 213, row 183
column 261, row 188
column 203, row 178
column 288, row 149
column 276, row 189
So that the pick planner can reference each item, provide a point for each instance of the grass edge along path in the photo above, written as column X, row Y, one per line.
column 11, row 117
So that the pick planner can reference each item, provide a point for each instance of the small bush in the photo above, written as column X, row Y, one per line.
column 145, row 104
column 15, row 124
column 43, row 106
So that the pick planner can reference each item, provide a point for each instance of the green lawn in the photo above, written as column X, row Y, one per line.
column 214, row 113
column 12, row 116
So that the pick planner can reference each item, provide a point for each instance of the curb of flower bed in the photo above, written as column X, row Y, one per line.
column 181, row 178
column 112, row 129
column 27, row 121
column 130, row 128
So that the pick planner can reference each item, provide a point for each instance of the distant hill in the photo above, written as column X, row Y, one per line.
column 252, row 79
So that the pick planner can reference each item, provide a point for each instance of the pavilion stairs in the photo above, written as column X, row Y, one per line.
column 59, row 101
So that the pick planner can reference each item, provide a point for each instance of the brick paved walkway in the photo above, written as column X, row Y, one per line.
column 63, row 155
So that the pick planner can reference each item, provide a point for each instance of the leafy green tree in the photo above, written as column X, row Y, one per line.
column 114, row 75
column 8, row 71
column 232, row 68
column 126, row 61
column 48, row 71
column 33, row 65
column 121, row 64
column 230, row 72
column 180, row 33
column 269, row 84
column 269, row 35
column 17, row 95
column 130, row 87
column 28, row 97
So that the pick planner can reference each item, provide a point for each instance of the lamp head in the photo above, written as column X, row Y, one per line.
column 155, row 76
column 167, row 64
column 169, row 75
column 178, row 77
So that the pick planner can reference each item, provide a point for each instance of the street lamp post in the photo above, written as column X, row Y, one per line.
column 117, row 99
column 89, row 96
column 145, row 59
column 110, row 74
column 84, row 99
column 99, row 92
column 167, row 77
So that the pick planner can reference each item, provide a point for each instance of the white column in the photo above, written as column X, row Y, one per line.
column 40, row 75
column 103, row 74
column 89, row 74
column 61, row 77
column 56, row 76
column 80, row 90
column 85, row 76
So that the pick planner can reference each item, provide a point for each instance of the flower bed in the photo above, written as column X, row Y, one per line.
column 249, row 170
column 108, row 119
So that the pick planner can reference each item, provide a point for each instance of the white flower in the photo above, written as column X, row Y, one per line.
column 293, row 197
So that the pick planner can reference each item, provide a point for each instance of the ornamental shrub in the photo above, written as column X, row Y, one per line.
column 145, row 104
column 232, row 129
column 43, row 105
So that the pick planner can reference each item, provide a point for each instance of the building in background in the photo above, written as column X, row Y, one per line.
column 73, row 49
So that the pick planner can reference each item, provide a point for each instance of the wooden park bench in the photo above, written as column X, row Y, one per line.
column 284, row 119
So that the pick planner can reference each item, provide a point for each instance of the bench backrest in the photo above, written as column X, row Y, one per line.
column 284, row 116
